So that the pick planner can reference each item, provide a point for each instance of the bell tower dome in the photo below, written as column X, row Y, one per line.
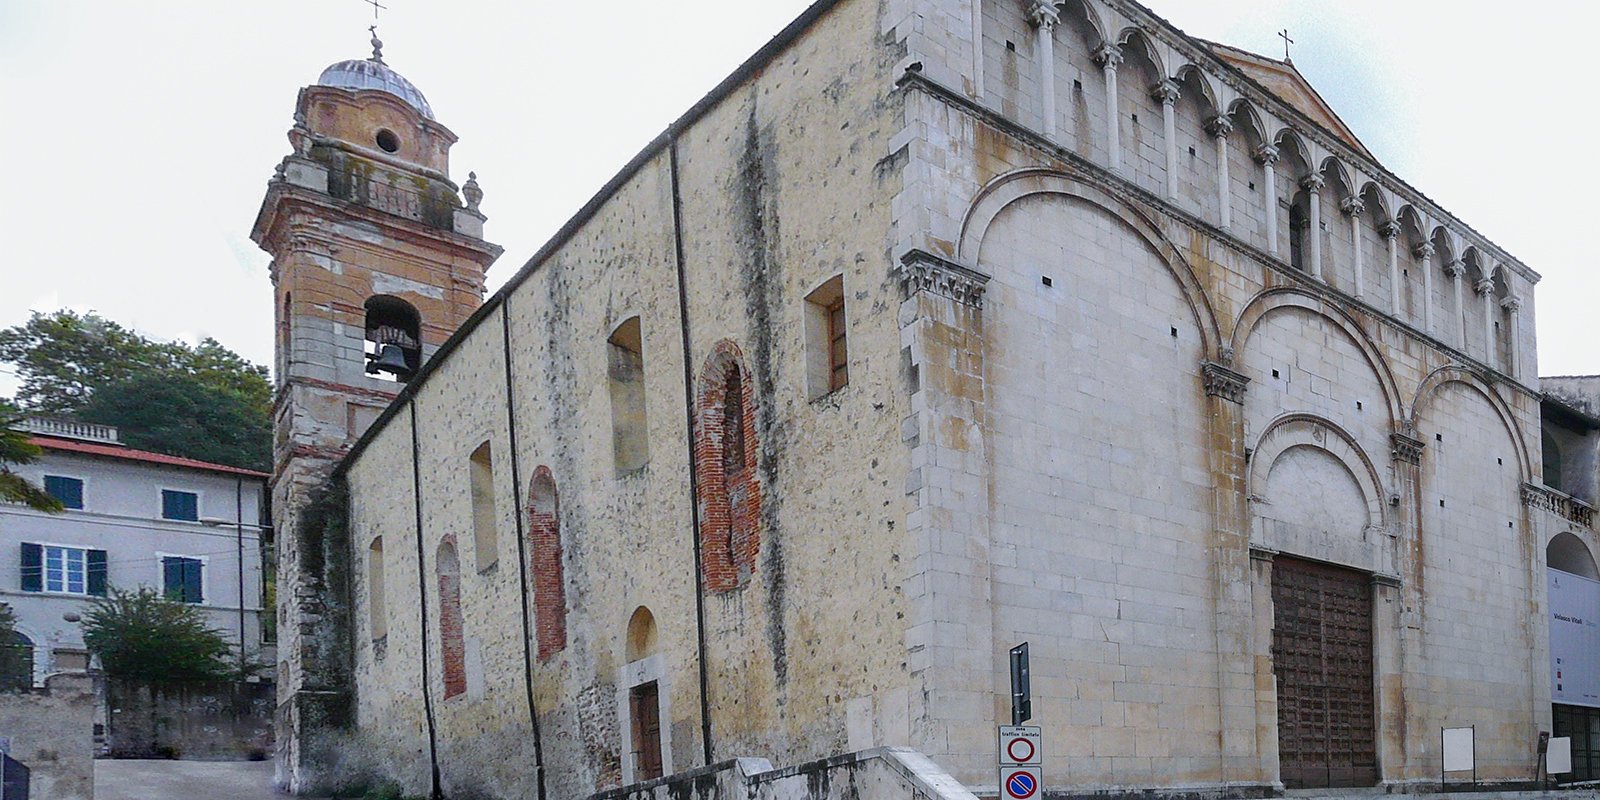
column 377, row 258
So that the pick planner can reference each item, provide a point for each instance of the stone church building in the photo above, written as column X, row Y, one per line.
column 938, row 327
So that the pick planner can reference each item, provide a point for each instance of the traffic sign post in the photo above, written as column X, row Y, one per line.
column 1020, row 783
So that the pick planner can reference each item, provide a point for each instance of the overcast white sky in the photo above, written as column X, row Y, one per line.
column 139, row 136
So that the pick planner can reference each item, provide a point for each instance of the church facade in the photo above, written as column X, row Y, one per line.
column 937, row 328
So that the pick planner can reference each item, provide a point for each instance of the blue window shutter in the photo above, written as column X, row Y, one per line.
column 32, row 567
column 184, row 506
column 67, row 490
column 172, row 578
column 191, row 581
column 97, row 572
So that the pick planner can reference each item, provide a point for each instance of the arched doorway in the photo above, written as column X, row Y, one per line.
column 1573, row 582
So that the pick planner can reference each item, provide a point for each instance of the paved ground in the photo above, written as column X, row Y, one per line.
column 184, row 780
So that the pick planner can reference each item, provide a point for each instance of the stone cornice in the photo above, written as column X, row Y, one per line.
column 922, row 271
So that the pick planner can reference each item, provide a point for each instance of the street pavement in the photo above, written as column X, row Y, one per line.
column 184, row 780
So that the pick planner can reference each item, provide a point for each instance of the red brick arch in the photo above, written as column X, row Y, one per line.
column 544, row 553
column 726, row 449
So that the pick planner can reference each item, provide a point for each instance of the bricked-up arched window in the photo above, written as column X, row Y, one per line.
column 452, row 639
column 544, row 550
column 485, row 537
column 725, row 451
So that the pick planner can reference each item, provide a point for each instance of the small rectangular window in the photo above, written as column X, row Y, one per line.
column 181, row 506
column 69, row 491
column 182, row 579
column 66, row 570
column 827, row 339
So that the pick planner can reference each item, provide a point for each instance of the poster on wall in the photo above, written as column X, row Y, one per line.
column 1574, row 639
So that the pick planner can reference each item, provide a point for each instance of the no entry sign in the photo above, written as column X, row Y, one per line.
column 1020, row 783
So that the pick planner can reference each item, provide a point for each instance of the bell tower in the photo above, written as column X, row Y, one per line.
column 376, row 261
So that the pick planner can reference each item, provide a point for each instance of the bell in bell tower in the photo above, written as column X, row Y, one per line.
column 376, row 260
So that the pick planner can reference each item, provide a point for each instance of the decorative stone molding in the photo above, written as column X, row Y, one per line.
column 922, row 271
column 1388, row 581
column 472, row 192
column 1266, row 154
column 1219, row 126
column 1455, row 269
column 1390, row 229
column 1223, row 382
column 1352, row 206
column 1259, row 553
column 1423, row 251
column 1512, row 304
column 1108, row 56
column 1166, row 92
column 1044, row 14
column 1484, row 286
column 1406, row 448
column 1313, row 182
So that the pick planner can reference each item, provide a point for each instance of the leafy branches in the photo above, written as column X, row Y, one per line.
column 142, row 636
column 16, row 448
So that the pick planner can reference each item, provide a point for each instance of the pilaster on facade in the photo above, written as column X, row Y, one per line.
column 921, row 271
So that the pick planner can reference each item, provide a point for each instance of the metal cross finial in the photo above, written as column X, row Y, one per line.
column 1284, row 35
column 375, row 6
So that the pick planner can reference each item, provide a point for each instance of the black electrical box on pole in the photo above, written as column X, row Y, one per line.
column 1021, row 690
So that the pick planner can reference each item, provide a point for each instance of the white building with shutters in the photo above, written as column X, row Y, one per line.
column 134, row 518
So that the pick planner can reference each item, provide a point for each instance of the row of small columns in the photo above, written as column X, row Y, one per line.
column 1046, row 16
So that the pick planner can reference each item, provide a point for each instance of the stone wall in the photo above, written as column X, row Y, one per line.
column 51, row 732
column 885, row 773
column 197, row 721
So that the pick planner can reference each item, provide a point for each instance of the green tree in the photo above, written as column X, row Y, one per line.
column 183, row 415
column 17, row 448
column 142, row 636
column 66, row 360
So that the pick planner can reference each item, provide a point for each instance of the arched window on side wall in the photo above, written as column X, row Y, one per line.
column 393, row 338
column 377, row 608
column 630, row 441
column 485, row 535
column 726, row 454
column 1569, row 554
column 452, row 638
column 16, row 663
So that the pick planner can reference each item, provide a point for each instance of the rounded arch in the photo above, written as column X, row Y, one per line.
column 1379, row 201
column 1412, row 225
column 1134, row 37
column 1339, row 176
column 642, row 640
column 446, row 561
column 1013, row 186
column 1455, row 374
column 1294, row 430
column 1568, row 553
column 1293, row 150
column 1286, row 297
column 1190, row 74
column 1246, row 112
column 1082, row 11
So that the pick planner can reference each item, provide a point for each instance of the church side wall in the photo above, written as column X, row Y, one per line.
column 785, row 183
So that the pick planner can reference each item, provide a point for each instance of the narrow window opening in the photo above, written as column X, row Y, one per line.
column 1191, row 152
column 549, row 576
column 732, row 424
column 485, row 537
column 1077, row 85
column 1136, row 119
column 1252, row 186
column 1274, row 373
column 377, row 608
column 630, row 440
column 1174, row 333
column 1010, row 45
column 1358, row 405
column 827, row 339
column 1047, row 280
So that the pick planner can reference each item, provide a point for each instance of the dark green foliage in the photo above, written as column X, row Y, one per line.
column 217, row 406
column 183, row 415
column 142, row 636
column 15, row 448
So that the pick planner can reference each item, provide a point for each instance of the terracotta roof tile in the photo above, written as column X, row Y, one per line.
column 129, row 454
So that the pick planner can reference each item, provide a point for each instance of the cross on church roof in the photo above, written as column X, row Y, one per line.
column 1283, row 34
column 375, row 6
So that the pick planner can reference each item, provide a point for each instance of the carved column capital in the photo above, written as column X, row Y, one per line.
column 1166, row 92
column 1044, row 14
column 1313, row 182
column 1512, row 304
column 1223, row 382
column 1352, row 206
column 1219, row 126
column 1266, row 155
column 921, row 271
column 1108, row 56
column 1423, row 251
column 1484, row 286
column 1390, row 230
column 1455, row 269
column 1405, row 448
